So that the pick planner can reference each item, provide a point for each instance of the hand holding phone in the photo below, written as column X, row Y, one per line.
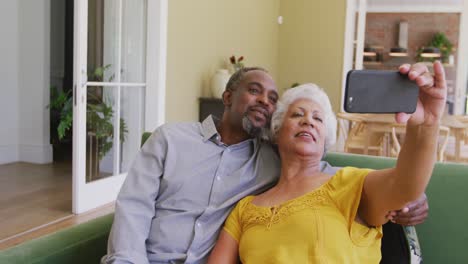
column 372, row 91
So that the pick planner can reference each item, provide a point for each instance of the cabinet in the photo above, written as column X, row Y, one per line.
column 210, row 106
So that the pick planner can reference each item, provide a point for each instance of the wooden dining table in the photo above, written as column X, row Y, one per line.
column 384, row 124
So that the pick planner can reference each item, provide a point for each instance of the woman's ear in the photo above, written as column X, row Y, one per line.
column 227, row 98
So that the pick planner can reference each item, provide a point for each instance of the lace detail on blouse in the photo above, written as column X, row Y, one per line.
column 268, row 216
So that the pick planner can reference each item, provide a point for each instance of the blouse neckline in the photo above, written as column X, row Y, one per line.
column 292, row 200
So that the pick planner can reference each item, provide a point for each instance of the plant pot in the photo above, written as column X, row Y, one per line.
column 62, row 151
column 218, row 82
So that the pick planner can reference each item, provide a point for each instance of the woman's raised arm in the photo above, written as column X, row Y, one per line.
column 391, row 189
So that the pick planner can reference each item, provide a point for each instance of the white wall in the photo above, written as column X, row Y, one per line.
column 34, row 81
column 8, row 81
column 24, row 81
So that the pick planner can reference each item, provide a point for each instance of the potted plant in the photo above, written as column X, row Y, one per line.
column 61, row 115
column 439, row 43
column 99, row 117
column 236, row 63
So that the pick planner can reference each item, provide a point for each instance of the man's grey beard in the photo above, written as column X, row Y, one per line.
column 258, row 132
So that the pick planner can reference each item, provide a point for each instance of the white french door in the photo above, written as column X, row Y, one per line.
column 116, row 43
column 353, row 39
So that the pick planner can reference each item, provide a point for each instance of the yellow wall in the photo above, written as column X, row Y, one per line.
column 311, row 44
column 202, row 34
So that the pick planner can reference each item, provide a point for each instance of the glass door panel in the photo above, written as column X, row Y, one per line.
column 132, row 116
column 109, row 95
column 116, row 66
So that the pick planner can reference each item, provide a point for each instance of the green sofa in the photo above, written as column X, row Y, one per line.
column 443, row 237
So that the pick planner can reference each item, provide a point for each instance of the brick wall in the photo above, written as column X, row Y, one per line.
column 382, row 29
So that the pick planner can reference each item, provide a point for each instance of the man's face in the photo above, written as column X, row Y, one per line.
column 254, row 101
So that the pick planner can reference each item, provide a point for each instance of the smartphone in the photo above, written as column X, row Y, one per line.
column 373, row 91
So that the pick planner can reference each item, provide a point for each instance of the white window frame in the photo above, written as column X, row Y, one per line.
column 87, row 196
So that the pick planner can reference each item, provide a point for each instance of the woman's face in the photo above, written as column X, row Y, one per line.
column 303, row 130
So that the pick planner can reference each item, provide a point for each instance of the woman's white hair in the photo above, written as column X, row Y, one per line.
column 306, row 91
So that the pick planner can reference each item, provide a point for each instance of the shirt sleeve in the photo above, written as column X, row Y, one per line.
column 135, row 204
column 346, row 190
column 233, row 224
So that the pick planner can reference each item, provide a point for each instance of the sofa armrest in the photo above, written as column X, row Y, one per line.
column 83, row 243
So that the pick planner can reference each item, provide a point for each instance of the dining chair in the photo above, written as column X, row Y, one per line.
column 444, row 134
column 352, row 128
column 449, row 153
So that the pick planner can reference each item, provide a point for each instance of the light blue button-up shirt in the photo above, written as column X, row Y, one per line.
column 180, row 189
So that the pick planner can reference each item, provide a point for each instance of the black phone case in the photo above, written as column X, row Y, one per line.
column 372, row 91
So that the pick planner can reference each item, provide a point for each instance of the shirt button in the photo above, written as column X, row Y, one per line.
column 199, row 224
column 218, row 178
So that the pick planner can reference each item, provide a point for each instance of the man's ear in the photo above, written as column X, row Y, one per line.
column 227, row 98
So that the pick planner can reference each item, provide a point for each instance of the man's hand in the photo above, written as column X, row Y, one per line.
column 412, row 214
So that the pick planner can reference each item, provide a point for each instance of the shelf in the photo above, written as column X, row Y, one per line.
column 210, row 106
column 373, row 63
column 446, row 65
column 427, row 63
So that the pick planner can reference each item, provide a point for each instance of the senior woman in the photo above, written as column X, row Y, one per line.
column 312, row 217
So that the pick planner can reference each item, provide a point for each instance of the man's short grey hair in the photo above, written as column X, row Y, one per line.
column 237, row 77
column 306, row 91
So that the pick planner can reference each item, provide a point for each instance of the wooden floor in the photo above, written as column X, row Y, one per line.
column 36, row 200
column 32, row 195
column 49, row 228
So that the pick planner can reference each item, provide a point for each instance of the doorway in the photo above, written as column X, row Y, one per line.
column 35, row 168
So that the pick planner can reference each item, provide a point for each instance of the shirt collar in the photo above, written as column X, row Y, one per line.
column 209, row 131
column 209, row 128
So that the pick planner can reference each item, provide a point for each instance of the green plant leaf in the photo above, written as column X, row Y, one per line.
column 64, row 125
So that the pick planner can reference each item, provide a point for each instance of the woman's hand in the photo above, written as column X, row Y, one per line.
column 432, row 94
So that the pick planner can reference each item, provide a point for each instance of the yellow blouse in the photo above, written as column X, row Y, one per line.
column 317, row 227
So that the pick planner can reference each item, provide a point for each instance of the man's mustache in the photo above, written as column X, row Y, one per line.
column 262, row 109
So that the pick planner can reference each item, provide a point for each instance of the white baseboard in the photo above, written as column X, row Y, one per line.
column 8, row 154
column 40, row 154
